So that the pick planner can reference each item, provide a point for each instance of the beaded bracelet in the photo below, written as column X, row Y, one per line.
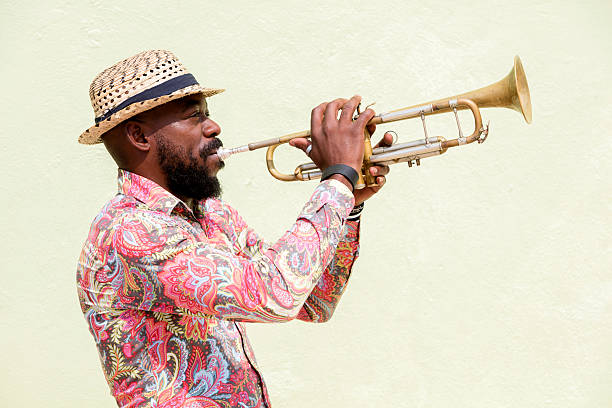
column 355, row 212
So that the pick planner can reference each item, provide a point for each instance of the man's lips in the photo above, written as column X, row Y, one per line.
column 211, row 149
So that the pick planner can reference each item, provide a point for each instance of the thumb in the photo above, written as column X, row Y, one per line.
column 300, row 142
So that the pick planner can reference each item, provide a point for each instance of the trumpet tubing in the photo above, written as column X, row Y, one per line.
column 510, row 92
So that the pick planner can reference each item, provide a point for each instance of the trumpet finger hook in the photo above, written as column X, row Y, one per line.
column 359, row 109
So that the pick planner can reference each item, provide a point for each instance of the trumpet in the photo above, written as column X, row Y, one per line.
column 510, row 92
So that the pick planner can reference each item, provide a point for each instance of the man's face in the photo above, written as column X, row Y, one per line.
column 185, row 141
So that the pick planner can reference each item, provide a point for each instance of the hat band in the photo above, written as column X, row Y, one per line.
column 162, row 89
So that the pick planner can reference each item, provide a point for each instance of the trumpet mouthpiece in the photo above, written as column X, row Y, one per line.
column 224, row 153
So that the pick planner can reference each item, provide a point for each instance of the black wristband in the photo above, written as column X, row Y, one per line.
column 355, row 212
column 348, row 172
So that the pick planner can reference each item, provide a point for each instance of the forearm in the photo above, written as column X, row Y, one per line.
column 304, row 254
column 320, row 305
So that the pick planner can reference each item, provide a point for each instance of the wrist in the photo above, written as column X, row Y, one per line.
column 341, row 179
column 342, row 172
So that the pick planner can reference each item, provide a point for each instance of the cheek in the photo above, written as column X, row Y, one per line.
column 189, row 137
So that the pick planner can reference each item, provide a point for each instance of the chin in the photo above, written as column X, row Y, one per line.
column 215, row 167
column 212, row 171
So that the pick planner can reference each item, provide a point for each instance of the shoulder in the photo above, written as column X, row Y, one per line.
column 108, row 215
column 127, row 224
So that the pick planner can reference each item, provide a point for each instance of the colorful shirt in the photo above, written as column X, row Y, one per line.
column 165, row 290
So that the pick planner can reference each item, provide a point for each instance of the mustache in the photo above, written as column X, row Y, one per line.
column 213, row 145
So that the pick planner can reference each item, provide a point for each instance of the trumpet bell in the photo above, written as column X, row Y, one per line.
column 523, row 99
column 510, row 92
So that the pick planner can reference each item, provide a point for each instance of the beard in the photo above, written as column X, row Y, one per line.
column 186, row 176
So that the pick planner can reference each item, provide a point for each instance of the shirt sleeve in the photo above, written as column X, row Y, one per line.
column 325, row 296
column 320, row 305
column 147, row 261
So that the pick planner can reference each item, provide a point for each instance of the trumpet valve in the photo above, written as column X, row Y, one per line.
column 416, row 161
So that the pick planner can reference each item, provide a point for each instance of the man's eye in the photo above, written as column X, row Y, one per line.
column 200, row 114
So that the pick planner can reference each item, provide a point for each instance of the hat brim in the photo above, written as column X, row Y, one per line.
column 93, row 135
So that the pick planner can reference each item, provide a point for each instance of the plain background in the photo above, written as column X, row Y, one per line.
column 485, row 274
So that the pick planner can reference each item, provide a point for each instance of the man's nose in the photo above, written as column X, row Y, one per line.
column 210, row 128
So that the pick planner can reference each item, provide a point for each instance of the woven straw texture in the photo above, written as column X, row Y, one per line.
column 128, row 78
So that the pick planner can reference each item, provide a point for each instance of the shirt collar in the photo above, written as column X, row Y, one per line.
column 149, row 192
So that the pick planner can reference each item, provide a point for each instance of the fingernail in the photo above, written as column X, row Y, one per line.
column 374, row 171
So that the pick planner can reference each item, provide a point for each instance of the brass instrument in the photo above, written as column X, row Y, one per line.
column 510, row 92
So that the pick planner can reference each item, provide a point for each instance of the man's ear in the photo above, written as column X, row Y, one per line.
column 135, row 133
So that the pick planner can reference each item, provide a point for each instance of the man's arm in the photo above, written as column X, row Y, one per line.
column 320, row 305
column 146, row 261
column 325, row 296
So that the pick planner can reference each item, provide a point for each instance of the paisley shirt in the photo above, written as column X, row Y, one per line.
column 165, row 290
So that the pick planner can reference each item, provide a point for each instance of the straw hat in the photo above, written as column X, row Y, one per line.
column 137, row 84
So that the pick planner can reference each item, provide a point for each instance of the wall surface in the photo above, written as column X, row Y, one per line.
column 485, row 276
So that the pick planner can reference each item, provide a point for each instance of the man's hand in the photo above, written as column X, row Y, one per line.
column 336, row 139
column 339, row 140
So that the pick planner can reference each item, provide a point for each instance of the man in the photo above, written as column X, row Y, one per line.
column 169, row 272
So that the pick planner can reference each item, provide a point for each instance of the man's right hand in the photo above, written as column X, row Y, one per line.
column 336, row 140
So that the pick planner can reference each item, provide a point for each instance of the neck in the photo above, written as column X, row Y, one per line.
column 191, row 203
column 158, row 176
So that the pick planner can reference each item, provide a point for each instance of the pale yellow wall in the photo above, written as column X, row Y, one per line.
column 485, row 277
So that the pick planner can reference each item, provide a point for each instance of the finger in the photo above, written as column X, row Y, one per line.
column 331, row 111
column 316, row 118
column 381, row 182
column 371, row 128
column 348, row 109
column 387, row 140
column 375, row 189
column 300, row 142
column 381, row 170
column 365, row 117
